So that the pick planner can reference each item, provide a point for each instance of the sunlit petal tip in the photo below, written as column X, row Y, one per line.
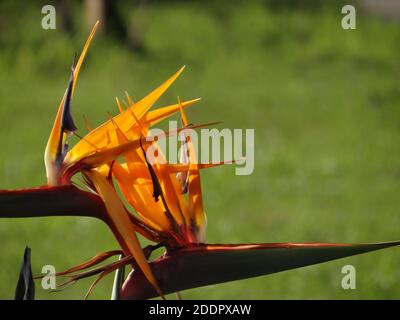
column 120, row 108
column 130, row 100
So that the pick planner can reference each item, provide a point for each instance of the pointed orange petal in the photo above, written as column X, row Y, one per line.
column 57, row 135
column 142, row 106
column 83, row 54
column 120, row 219
column 126, row 122
column 195, row 199
column 120, row 108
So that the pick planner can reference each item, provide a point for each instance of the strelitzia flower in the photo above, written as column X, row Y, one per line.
column 166, row 214
column 159, row 200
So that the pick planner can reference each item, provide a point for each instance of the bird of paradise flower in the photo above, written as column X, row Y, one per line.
column 167, row 199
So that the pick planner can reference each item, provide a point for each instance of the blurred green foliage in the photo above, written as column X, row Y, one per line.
column 324, row 102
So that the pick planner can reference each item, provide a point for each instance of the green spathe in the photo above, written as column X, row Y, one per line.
column 211, row 264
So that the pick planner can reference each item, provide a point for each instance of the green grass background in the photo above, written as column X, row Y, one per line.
column 324, row 103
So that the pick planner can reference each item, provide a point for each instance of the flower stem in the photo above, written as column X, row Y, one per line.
column 50, row 201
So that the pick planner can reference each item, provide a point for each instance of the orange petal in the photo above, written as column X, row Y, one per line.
column 124, row 120
column 53, row 156
column 120, row 219
column 195, row 199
